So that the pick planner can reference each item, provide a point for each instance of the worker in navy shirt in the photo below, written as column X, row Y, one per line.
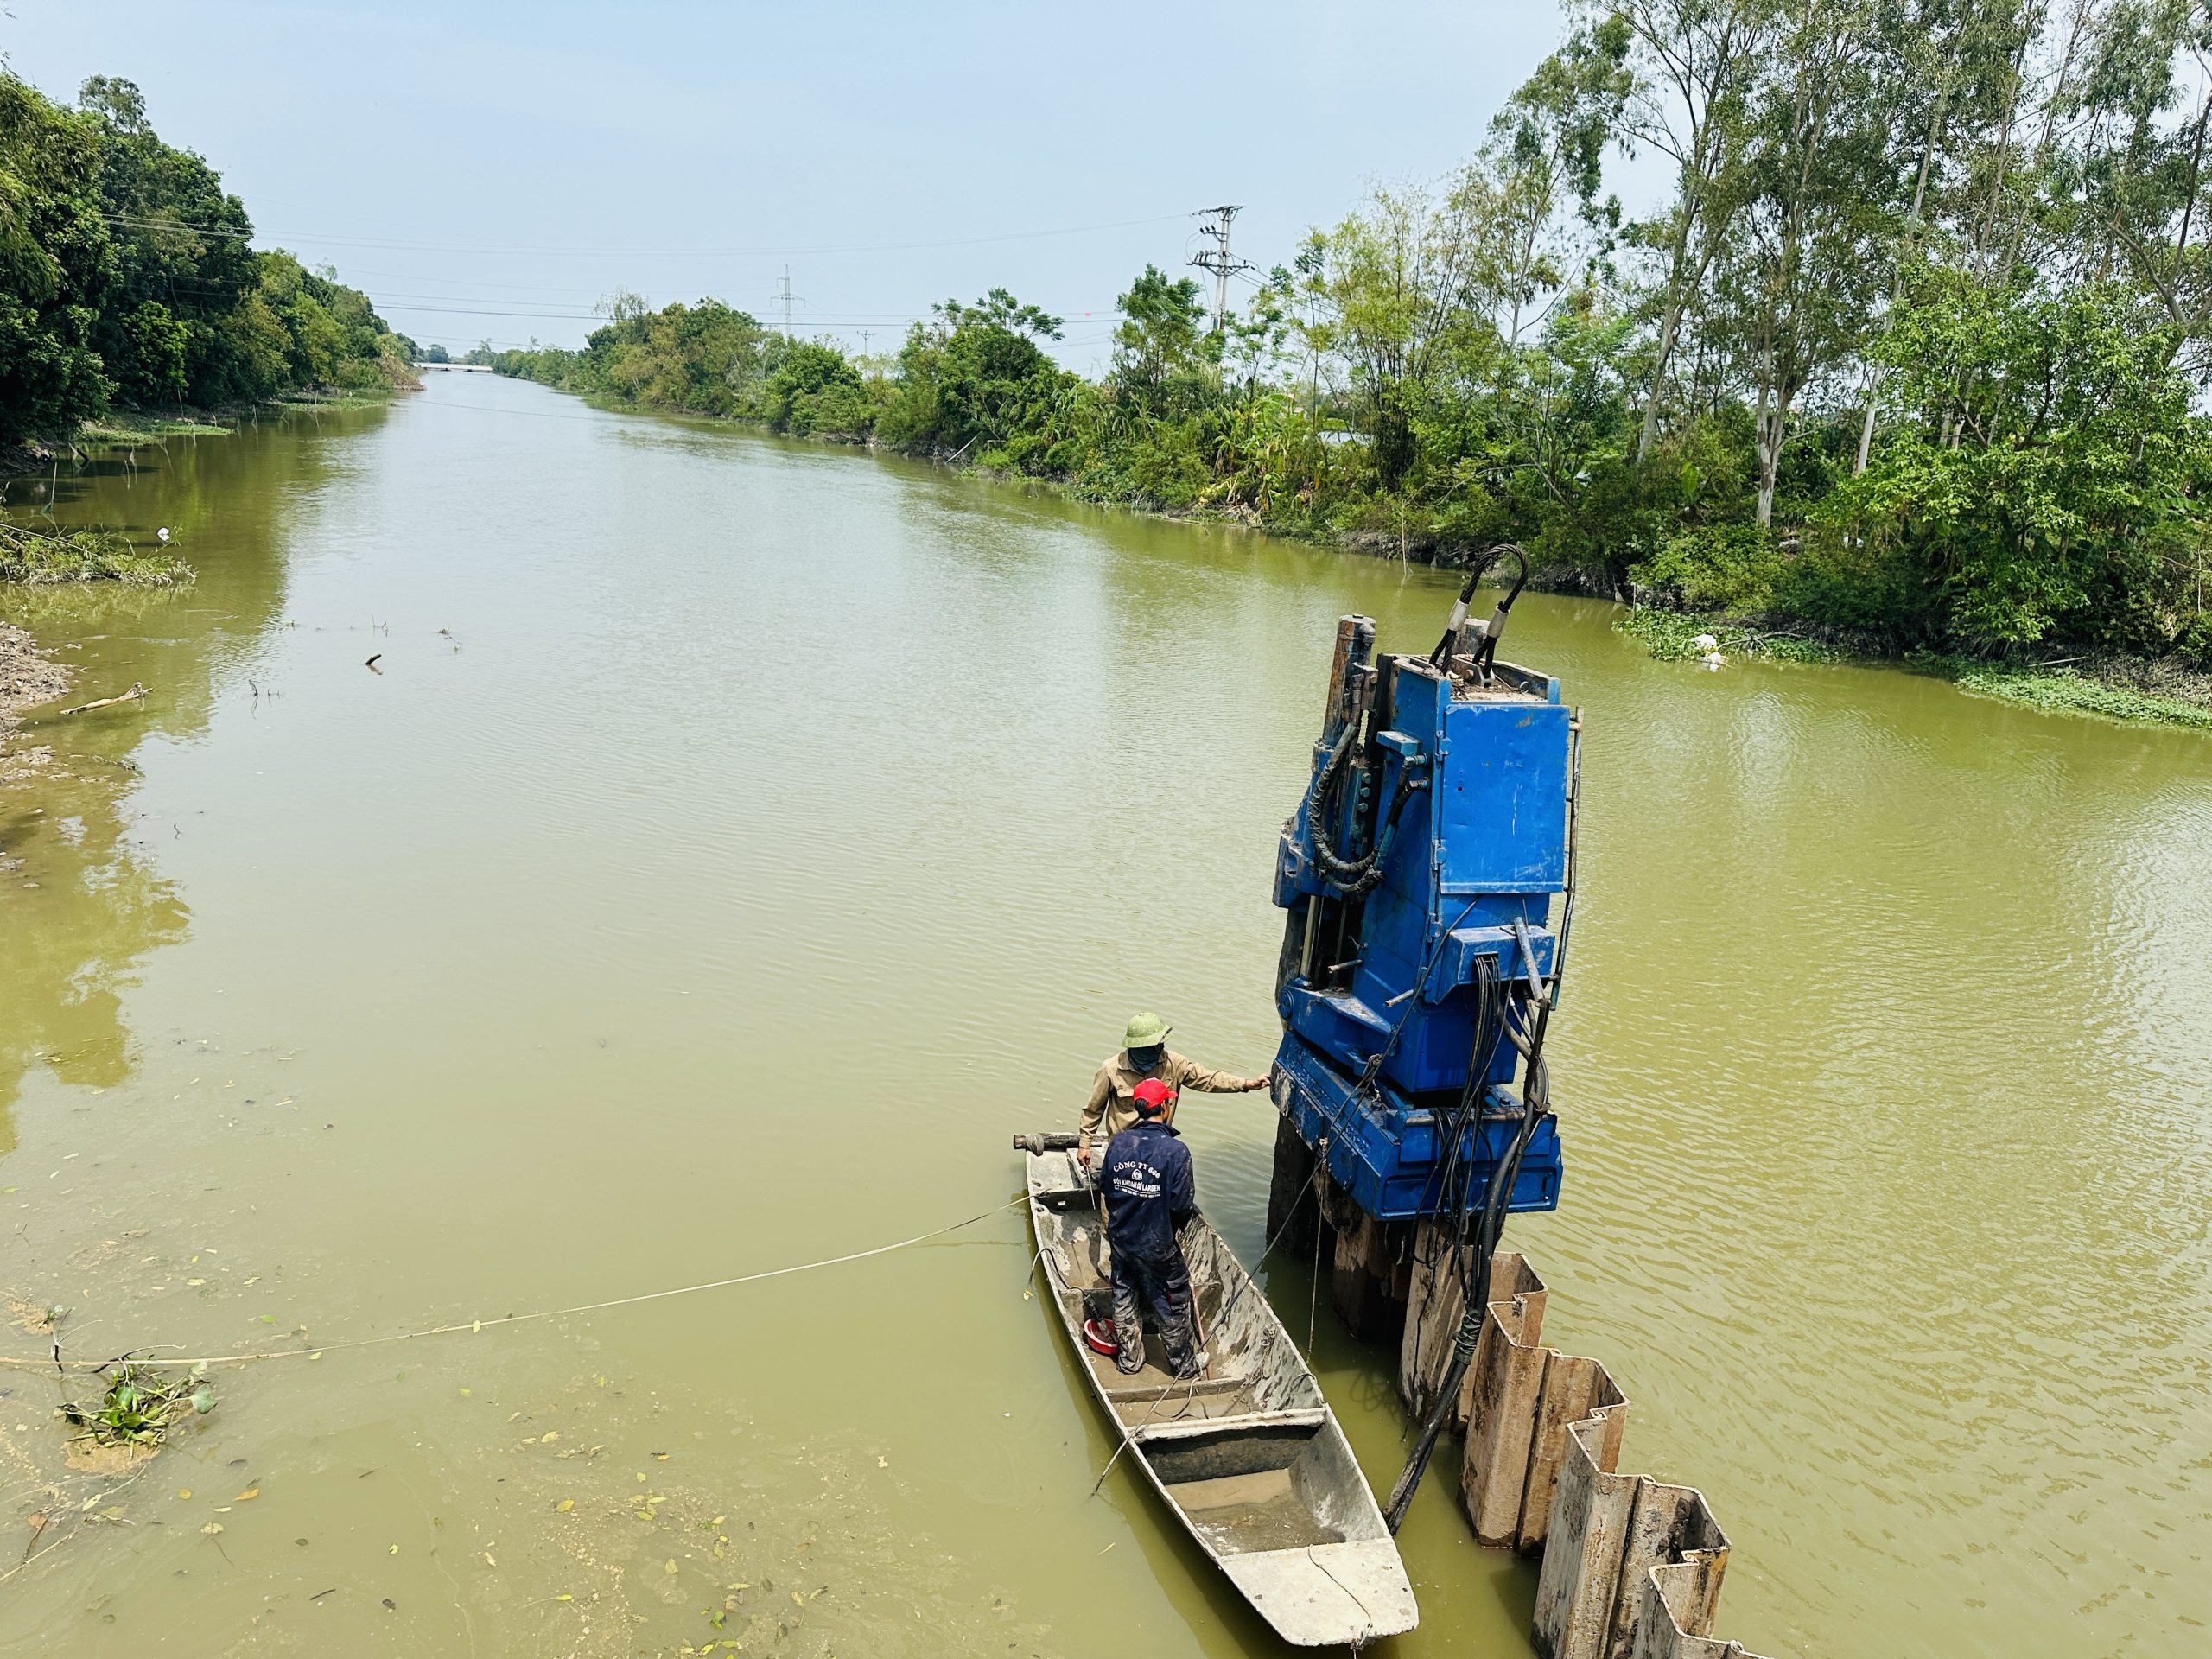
column 1145, row 1178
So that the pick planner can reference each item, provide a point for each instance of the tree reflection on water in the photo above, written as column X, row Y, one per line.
column 83, row 897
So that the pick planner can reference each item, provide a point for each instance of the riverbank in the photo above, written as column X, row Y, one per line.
column 2107, row 685
column 29, row 677
column 124, row 428
column 2165, row 691
column 37, row 454
column 2139, row 690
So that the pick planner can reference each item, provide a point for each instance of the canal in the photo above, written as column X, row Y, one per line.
column 733, row 841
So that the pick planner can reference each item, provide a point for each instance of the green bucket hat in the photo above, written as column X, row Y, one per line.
column 1146, row 1031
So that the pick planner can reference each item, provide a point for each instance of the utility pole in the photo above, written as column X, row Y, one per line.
column 1218, row 258
column 786, row 295
column 866, row 335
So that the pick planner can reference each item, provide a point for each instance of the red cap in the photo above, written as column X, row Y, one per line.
column 1154, row 1096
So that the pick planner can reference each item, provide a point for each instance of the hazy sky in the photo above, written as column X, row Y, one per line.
column 490, row 169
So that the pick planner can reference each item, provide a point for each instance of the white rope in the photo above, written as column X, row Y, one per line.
column 473, row 1325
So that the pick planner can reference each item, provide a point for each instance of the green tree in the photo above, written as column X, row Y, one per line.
column 1394, row 288
column 974, row 378
column 2045, row 440
column 1165, row 364
column 56, row 268
column 812, row 389
column 1803, row 276
column 1695, row 63
column 182, row 254
column 1546, row 155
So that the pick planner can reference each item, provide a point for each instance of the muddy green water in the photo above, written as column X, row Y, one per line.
column 736, row 841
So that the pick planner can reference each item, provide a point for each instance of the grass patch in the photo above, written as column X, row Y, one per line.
column 146, row 429
column 2062, row 691
column 1672, row 636
column 37, row 560
column 365, row 398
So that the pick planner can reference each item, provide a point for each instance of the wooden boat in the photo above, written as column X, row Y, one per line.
column 1249, row 1457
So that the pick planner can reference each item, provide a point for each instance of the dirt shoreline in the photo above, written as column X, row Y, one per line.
column 29, row 677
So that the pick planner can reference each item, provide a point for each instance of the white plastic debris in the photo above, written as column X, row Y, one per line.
column 162, row 534
column 1713, row 660
column 1705, row 642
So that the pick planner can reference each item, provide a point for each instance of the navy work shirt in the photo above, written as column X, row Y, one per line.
column 1146, row 1179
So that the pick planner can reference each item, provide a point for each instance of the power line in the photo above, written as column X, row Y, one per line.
column 849, row 319
column 136, row 222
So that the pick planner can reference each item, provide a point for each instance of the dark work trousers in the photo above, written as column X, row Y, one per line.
column 1163, row 1284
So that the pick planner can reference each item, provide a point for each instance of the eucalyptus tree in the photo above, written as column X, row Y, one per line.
column 1696, row 64
column 1948, row 66
column 1802, row 276
column 1536, row 186
column 2140, row 115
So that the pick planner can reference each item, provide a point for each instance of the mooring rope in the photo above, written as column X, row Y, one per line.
column 473, row 1325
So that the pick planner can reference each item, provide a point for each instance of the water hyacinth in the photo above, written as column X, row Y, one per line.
column 141, row 1406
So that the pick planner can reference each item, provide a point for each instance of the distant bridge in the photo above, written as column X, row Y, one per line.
column 459, row 368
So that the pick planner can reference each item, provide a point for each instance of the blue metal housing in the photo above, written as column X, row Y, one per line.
column 1450, row 791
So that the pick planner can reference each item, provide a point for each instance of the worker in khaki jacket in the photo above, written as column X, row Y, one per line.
column 1145, row 1055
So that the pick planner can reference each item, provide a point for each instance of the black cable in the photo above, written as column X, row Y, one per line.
column 1489, row 1025
column 1442, row 654
column 1486, row 651
column 1374, row 1068
column 1534, row 1107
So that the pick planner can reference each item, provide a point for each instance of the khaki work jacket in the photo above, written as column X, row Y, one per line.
column 1111, row 1103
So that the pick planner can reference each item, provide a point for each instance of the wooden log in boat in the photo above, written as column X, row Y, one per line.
column 1249, row 1457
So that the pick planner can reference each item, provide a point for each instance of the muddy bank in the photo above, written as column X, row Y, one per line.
column 28, row 677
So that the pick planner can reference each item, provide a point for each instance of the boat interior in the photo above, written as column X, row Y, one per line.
column 1247, row 1451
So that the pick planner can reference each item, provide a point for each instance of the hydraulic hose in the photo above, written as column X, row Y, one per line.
column 1489, row 1025
column 1355, row 877
column 1486, row 653
column 1458, row 620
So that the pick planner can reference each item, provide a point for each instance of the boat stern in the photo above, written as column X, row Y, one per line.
column 1328, row 1595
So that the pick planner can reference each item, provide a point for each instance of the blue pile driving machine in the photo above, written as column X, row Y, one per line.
column 1421, row 956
